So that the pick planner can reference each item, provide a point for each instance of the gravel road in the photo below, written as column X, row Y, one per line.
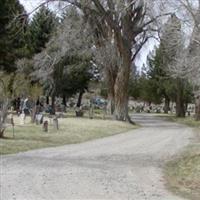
column 124, row 166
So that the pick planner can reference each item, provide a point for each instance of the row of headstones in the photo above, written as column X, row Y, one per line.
column 79, row 112
column 39, row 119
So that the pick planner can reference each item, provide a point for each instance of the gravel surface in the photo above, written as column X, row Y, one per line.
column 124, row 166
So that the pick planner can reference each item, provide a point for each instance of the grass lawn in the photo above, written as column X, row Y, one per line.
column 189, row 121
column 183, row 173
column 71, row 130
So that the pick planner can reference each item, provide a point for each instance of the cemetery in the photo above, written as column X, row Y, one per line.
column 100, row 99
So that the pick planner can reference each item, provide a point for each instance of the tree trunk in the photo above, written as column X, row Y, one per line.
column 122, row 82
column 121, row 94
column 197, row 108
column 53, row 104
column 80, row 99
column 47, row 100
column 180, row 103
column 180, row 108
column 3, row 116
column 167, row 105
column 111, row 100
column 33, row 113
column 64, row 100
column 111, row 105
column 1, row 132
column 111, row 75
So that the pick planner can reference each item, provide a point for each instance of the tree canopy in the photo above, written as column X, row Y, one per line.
column 12, row 33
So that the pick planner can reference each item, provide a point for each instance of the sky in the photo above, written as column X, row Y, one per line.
column 30, row 5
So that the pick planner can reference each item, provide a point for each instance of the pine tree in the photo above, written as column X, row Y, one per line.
column 11, row 33
column 169, row 86
column 160, row 79
column 171, row 44
column 41, row 28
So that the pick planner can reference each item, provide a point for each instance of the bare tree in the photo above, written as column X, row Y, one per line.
column 188, row 62
column 172, row 47
column 128, row 24
column 194, row 60
column 107, row 57
column 70, row 40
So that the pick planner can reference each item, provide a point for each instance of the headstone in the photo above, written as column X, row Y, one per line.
column 91, row 110
column 79, row 113
column 104, row 111
column 138, row 109
column 13, row 124
column 22, row 118
column 45, row 126
column 55, row 123
column 39, row 119
column 50, row 117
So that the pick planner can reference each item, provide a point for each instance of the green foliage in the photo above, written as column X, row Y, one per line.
column 12, row 33
column 155, row 83
column 135, row 86
column 64, row 67
column 72, row 75
column 40, row 30
column 145, row 89
column 161, row 81
column 35, row 91
column 16, row 84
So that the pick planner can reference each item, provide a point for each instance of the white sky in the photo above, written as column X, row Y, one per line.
column 30, row 5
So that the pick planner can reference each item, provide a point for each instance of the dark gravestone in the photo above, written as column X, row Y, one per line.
column 45, row 126
column 79, row 113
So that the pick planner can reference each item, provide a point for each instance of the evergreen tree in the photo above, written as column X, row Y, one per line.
column 169, row 87
column 12, row 41
column 162, row 83
column 143, row 87
column 171, row 46
column 64, row 67
column 41, row 29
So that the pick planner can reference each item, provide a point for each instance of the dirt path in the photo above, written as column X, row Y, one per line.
column 125, row 166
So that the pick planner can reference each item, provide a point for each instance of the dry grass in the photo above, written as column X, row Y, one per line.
column 183, row 174
column 72, row 130
column 189, row 121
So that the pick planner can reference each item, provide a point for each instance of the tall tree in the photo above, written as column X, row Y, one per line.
column 41, row 28
column 165, row 82
column 129, row 24
column 172, row 45
column 63, row 67
column 12, row 33
column 193, row 55
column 187, row 65
column 162, row 83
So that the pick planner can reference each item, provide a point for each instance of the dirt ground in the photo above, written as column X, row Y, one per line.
column 124, row 166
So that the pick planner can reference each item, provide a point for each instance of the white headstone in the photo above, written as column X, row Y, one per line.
column 22, row 118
